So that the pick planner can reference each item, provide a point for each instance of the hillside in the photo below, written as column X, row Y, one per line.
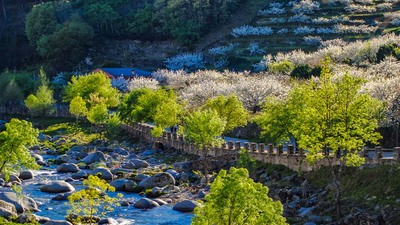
column 145, row 33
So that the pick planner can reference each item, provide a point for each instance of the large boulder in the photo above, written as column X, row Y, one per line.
column 26, row 175
column 140, row 163
column 119, row 184
column 57, row 187
column 104, row 172
column 158, row 180
column 21, row 203
column 108, row 221
column 145, row 203
column 185, row 206
column 130, row 186
column 44, row 137
column 7, row 210
column 94, row 157
column 68, row 168
column 57, row 222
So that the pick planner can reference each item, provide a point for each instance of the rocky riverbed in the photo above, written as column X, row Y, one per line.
column 154, row 192
column 159, row 187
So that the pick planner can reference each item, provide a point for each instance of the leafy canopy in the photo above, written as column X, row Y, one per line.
column 14, row 142
column 230, row 109
column 236, row 199
column 93, row 200
column 330, row 114
column 94, row 83
column 204, row 128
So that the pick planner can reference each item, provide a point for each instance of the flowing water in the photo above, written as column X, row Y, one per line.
column 126, row 215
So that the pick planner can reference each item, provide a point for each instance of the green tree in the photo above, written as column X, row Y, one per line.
column 204, row 129
column 236, row 199
column 285, row 67
column 42, row 102
column 230, row 109
column 68, row 45
column 152, row 106
column 77, row 107
column 329, row 118
column 92, row 201
column 98, row 115
column 101, row 16
column 40, row 22
column 14, row 143
column 94, row 83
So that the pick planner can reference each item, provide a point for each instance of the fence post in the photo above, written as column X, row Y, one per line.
column 280, row 149
column 290, row 150
column 246, row 146
column 270, row 149
column 378, row 152
column 237, row 146
column 396, row 154
column 261, row 148
column 253, row 147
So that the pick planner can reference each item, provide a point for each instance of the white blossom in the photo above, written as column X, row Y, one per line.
column 142, row 82
column 313, row 40
column 305, row 6
column 303, row 30
column 185, row 61
column 247, row 30
column 120, row 83
column 254, row 49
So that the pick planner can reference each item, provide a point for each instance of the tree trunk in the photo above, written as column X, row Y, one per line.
column 205, row 164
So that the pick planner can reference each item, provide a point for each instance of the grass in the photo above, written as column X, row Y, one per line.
column 6, row 222
column 374, row 185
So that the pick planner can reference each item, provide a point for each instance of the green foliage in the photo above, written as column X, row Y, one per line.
column 68, row 45
column 284, row 67
column 77, row 107
column 113, row 125
column 305, row 71
column 3, row 221
column 153, row 106
column 245, row 161
column 387, row 50
column 230, row 109
column 204, row 128
column 101, row 16
column 18, row 84
column 236, row 199
column 14, row 143
column 95, row 84
column 330, row 114
column 93, row 200
column 40, row 22
column 42, row 102
column 142, row 23
column 98, row 114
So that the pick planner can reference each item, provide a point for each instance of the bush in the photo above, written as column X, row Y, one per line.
column 387, row 50
column 284, row 67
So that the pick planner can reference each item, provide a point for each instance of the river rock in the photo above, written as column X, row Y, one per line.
column 160, row 201
column 14, row 178
column 37, row 157
column 105, row 173
column 68, row 168
column 140, row 163
column 130, row 186
column 32, row 218
column 26, row 175
column 140, row 177
column 108, row 221
column 57, row 187
column 148, row 152
column 129, row 165
column 57, row 222
column 7, row 210
column 175, row 174
column 94, row 157
column 158, row 180
column 79, row 175
column 145, row 203
column 119, row 184
column 183, row 166
column 185, row 206
column 21, row 204
column 61, row 196
column 121, row 151
column 44, row 137
column 132, row 156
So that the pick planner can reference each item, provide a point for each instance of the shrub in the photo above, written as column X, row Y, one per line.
column 284, row 67
column 185, row 61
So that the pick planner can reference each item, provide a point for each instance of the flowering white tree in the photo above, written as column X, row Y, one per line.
column 120, row 83
column 247, row 30
column 185, row 61
column 306, row 7
column 142, row 82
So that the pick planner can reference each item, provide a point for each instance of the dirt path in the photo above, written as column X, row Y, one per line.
column 246, row 12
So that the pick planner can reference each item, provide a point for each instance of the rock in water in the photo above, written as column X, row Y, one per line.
column 68, row 168
column 145, row 203
column 57, row 187
column 158, row 180
column 22, row 204
column 94, row 157
column 185, row 206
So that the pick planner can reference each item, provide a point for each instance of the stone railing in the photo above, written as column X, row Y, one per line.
column 288, row 156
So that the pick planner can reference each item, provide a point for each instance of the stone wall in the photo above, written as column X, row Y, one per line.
column 289, row 156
